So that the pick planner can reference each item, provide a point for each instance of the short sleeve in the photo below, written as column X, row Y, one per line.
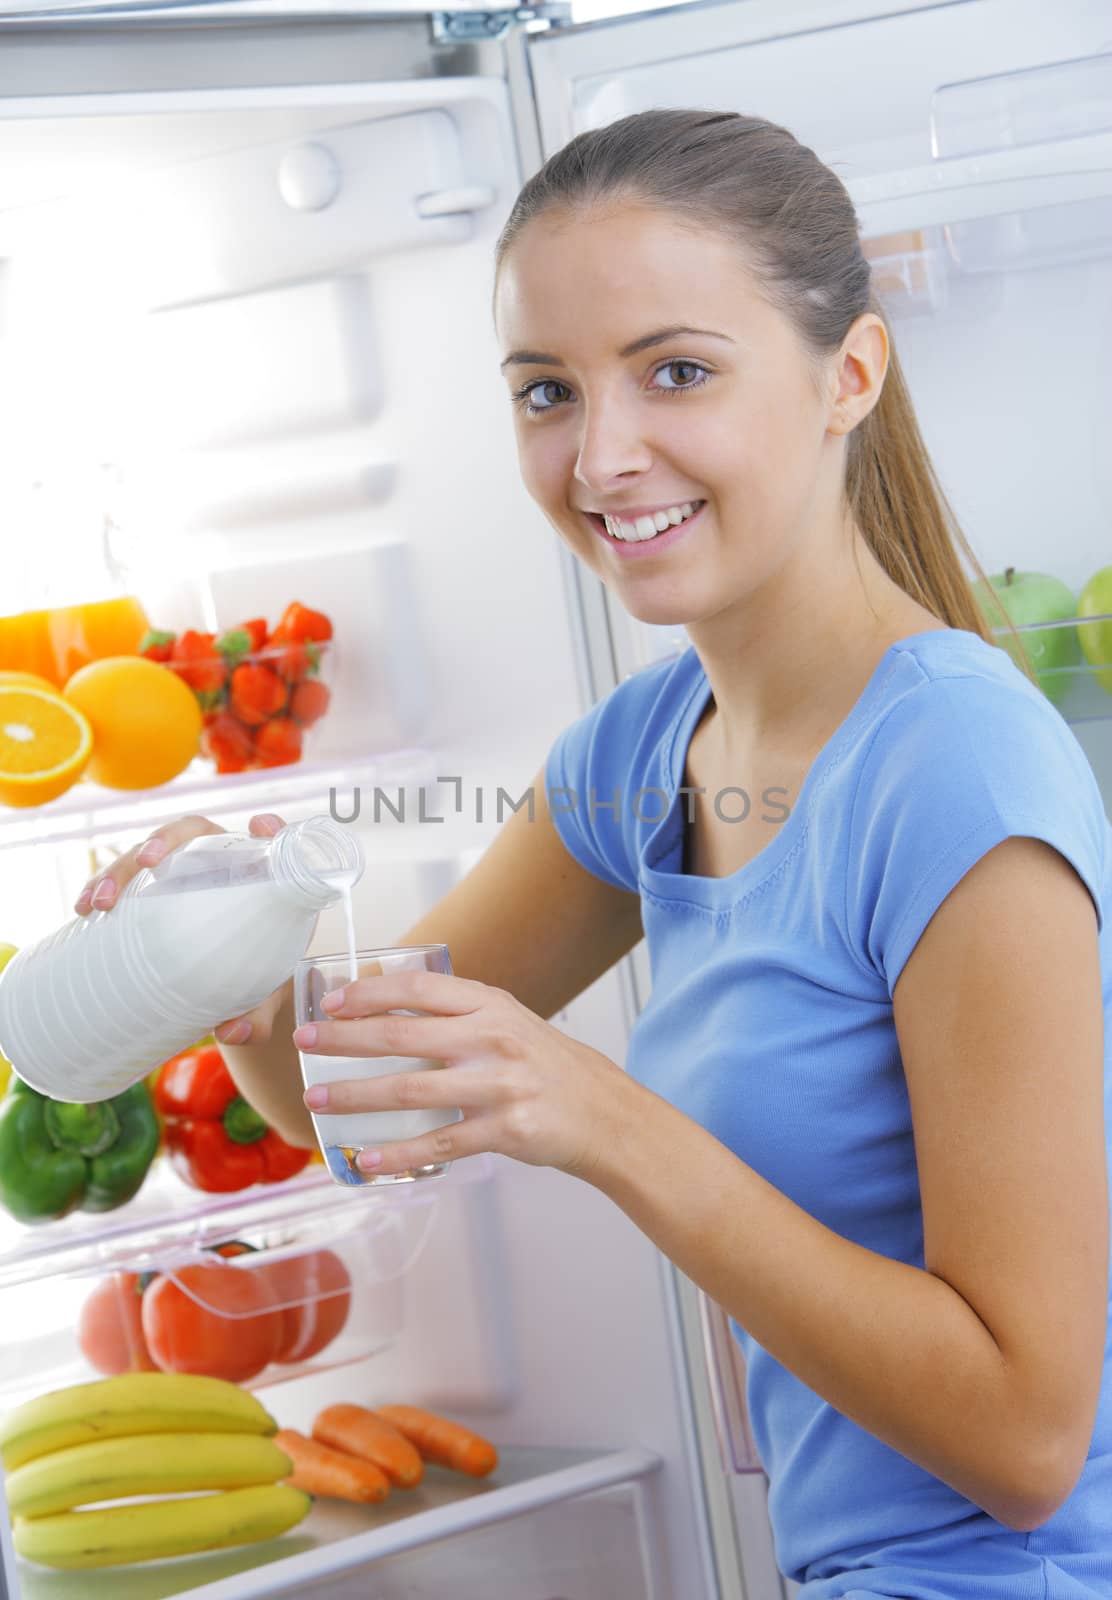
column 958, row 765
column 598, row 765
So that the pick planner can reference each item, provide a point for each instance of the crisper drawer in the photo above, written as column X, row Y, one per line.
column 583, row 1549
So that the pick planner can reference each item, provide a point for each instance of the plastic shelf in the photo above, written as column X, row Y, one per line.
column 337, row 1538
column 167, row 1217
column 88, row 811
column 1082, row 692
column 993, row 183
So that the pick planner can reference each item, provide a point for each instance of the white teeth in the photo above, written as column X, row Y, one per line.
column 648, row 527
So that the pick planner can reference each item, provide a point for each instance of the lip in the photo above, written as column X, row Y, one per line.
column 645, row 547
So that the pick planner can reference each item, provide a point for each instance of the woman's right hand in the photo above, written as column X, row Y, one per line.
column 102, row 892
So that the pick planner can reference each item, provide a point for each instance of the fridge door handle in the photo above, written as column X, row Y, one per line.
column 726, row 1374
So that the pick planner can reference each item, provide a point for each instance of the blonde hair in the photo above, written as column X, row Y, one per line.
column 795, row 223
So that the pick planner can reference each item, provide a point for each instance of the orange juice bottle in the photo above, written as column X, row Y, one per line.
column 83, row 633
column 25, row 645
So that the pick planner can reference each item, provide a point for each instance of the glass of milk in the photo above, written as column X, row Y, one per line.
column 341, row 1137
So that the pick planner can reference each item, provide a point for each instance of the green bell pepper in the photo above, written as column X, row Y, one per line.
column 56, row 1155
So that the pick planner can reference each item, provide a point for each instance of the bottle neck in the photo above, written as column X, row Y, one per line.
column 315, row 859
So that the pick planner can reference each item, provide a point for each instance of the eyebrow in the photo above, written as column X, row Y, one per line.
column 539, row 358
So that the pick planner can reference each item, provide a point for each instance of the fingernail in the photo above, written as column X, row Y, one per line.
column 333, row 1001
column 234, row 1033
column 316, row 1097
column 82, row 903
column 105, row 893
column 369, row 1160
column 305, row 1036
column 152, row 851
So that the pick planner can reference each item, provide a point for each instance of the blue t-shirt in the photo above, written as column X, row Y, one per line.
column 770, row 1023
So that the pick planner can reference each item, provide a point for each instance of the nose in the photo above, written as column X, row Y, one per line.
column 612, row 445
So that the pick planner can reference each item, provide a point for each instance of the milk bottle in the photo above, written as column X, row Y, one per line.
column 204, row 935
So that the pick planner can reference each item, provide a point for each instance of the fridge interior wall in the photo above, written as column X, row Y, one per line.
column 271, row 440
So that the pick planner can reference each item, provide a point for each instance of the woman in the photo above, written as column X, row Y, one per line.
column 872, row 1064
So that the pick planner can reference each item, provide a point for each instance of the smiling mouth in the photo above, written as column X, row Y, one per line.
column 642, row 530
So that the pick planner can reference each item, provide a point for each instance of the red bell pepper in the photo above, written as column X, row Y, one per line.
column 216, row 1141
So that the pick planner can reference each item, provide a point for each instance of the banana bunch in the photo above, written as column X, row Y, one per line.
column 144, row 1433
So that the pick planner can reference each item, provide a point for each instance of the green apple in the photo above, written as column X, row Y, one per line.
column 1095, row 600
column 7, row 951
column 1034, row 597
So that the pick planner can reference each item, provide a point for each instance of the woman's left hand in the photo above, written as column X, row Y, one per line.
column 526, row 1090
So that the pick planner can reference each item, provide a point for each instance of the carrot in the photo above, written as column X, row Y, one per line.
column 320, row 1470
column 439, row 1439
column 360, row 1432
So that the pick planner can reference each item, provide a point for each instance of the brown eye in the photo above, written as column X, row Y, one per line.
column 681, row 374
column 551, row 393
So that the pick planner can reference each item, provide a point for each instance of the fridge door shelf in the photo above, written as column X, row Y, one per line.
column 554, row 1521
column 970, row 189
column 88, row 811
column 1072, row 662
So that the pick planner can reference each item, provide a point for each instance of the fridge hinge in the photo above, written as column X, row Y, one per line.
column 449, row 27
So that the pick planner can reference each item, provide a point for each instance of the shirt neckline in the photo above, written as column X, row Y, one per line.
column 665, row 844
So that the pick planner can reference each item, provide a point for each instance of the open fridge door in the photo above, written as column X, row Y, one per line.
column 246, row 358
column 975, row 139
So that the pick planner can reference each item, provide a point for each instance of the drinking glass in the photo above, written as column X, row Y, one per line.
column 342, row 1136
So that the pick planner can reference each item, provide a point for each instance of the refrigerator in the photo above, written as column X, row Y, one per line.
column 246, row 354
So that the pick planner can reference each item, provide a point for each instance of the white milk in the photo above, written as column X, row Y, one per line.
column 342, row 1136
column 205, row 935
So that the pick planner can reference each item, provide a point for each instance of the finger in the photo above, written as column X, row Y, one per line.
column 436, row 1038
column 265, row 825
column 253, row 1027
column 401, row 991
column 467, row 1138
column 103, row 890
column 464, row 1086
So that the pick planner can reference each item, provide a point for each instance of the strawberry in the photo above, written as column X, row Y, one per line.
column 228, row 743
column 256, row 693
column 155, row 644
column 278, row 742
column 256, row 631
column 309, row 701
column 296, row 661
column 298, row 623
column 196, row 659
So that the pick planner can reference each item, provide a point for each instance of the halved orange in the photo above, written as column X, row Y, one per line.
column 45, row 744
column 7, row 678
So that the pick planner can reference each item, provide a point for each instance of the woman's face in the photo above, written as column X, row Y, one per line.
column 650, row 379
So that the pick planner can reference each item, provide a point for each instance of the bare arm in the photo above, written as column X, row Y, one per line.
column 527, row 918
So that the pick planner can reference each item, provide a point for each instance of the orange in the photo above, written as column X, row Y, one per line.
column 45, row 744
column 29, row 677
column 146, row 722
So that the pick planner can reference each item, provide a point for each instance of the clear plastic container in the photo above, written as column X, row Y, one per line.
column 205, row 935
column 1062, row 100
column 267, row 1301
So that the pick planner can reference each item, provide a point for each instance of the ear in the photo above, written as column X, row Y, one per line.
column 859, row 373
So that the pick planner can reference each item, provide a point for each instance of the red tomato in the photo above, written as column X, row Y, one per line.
column 110, row 1327
column 322, row 1285
column 187, row 1334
